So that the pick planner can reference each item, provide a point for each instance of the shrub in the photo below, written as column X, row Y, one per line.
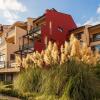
column 53, row 55
column 68, row 73
column 2, row 86
column 70, row 81
column 28, row 80
column 54, row 79
column 97, row 70
column 80, row 85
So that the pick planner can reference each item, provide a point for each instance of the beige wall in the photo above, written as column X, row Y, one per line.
column 84, row 36
column 19, row 33
column 93, row 31
column 11, row 48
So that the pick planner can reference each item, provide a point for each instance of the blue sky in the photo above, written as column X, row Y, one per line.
column 82, row 11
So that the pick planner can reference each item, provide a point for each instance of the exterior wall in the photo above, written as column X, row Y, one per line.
column 7, row 47
column 9, row 73
column 55, row 26
column 19, row 33
column 56, row 29
column 11, row 48
column 29, row 23
column 8, row 77
column 85, row 36
column 94, row 31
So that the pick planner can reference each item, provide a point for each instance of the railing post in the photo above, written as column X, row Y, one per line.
column 5, row 78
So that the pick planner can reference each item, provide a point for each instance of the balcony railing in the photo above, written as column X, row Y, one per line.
column 4, row 64
column 26, row 46
column 35, row 29
column 96, row 39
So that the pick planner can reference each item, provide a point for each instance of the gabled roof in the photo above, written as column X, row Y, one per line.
column 95, row 26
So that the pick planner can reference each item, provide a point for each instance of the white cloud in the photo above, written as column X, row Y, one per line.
column 10, row 16
column 94, row 20
column 78, row 24
column 10, row 9
column 98, row 10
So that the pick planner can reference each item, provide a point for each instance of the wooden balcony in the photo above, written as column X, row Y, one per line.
column 6, row 67
column 95, row 43
column 9, row 70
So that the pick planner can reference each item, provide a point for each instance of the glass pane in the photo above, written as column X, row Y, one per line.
column 79, row 35
column 96, row 37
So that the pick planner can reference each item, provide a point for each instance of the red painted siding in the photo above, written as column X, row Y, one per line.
column 57, row 28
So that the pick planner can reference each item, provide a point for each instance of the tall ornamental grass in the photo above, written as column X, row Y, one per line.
column 69, row 73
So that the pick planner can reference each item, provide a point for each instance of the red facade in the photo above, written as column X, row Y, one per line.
column 56, row 28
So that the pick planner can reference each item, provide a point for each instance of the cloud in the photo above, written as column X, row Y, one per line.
column 94, row 20
column 98, row 10
column 10, row 9
column 10, row 16
column 78, row 24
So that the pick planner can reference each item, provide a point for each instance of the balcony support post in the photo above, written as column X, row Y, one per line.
column 23, row 41
column 28, row 43
column 5, row 77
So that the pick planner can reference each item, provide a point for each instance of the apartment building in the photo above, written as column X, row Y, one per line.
column 9, row 43
column 94, row 32
column 51, row 26
column 89, row 34
column 23, row 38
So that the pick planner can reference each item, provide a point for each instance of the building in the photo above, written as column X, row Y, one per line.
column 88, row 34
column 9, row 43
column 23, row 38
column 51, row 26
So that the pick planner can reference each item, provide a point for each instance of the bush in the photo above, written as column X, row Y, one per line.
column 75, row 79
column 68, row 73
column 2, row 86
column 54, row 79
column 70, row 81
column 28, row 80
column 97, row 73
column 97, row 70
column 81, row 84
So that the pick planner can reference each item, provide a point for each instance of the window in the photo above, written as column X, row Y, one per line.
column 81, row 42
column 2, row 60
column 79, row 35
column 2, row 57
column 96, row 37
column 12, row 56
column 60, row 29
column 96, row 47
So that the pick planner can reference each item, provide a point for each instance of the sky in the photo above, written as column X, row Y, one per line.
column 83, row 11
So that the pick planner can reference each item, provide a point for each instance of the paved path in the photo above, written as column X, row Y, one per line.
column 8, row 98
